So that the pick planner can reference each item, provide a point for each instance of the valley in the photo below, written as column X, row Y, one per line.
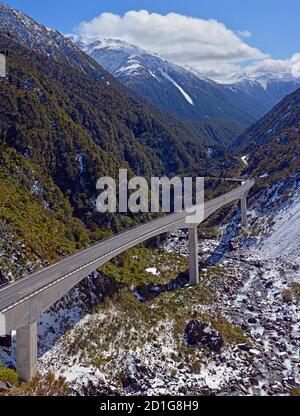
column 74, row 109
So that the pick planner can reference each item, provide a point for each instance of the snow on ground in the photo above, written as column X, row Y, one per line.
column 250, row 295
column 245, row 160
column 284, row 239
column 131, row 67
column 153, row 270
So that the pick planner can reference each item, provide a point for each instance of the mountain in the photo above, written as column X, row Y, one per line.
column 179, row 90
column 183, row 92
column 27, row 32
column 89, row 123
column 49, row 42
column 280, row 124
column 259, row 93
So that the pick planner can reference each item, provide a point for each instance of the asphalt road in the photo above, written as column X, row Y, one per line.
column 100, row 253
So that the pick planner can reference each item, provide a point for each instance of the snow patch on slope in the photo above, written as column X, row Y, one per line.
column 285, row 237
column 186, row 96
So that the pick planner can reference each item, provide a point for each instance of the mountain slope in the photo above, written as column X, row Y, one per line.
column 36, row 220
column 259, row 93
column 281, row 124
column 88, row 122
column 48, row 42
column 226, row 108
column 174, row 88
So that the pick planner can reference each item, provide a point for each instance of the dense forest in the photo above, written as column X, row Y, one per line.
column 79, row 127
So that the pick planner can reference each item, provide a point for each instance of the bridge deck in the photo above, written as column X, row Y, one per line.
column 96, row 255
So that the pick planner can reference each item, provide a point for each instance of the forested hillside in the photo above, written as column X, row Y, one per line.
column 284, row 116
column 273, row 144
column 78, row 129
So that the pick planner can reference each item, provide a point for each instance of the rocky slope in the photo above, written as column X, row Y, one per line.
column 235, row 334
column 174, row 88
column 136, row 328
column 49, row 42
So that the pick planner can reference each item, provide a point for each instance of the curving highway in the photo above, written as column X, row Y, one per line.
column 23, row 302
column 88, row 260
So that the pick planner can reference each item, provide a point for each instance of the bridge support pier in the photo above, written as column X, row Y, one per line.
column 193, row 256
column 26, row 351
column 244, row 210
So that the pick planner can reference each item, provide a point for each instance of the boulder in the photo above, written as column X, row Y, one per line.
column 5, row 341
column 203, row 335
column 3, row 387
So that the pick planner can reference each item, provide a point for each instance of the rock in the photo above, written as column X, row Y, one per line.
column 252, row 320
column 201, row 334
column 131, row 383
column 254, row 352
column 244, row 347
column 5, row 341
column 291, row 381
column 254, row 381
column 234, row 245
column 3, row 387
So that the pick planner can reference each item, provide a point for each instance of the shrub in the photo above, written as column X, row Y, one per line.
column 287, row 295
column 8, row 375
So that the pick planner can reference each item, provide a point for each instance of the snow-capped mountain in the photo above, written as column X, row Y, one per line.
column 262, row 90
column 179, row 90
column 182, row 90
column 22, row 29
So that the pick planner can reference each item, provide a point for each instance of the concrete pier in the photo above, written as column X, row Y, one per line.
column 27, row 352
column 2, row 65
column 23, row 302
column 244, row 210
column 193, row 256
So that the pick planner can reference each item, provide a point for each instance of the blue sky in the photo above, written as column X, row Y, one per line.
column 274, row 24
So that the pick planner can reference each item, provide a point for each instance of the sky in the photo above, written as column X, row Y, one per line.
column 218, row 37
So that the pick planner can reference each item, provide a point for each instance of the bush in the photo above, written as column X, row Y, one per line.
column 287, row 295
column 8, row 375
column 295, row 392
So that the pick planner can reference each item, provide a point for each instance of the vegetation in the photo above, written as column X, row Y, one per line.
column 36, row 220
column 123, row 323
column 46, row 385
column 296, row 290
column 8, row 376
column 295, row 392
column 89, row 129
column 129, row 268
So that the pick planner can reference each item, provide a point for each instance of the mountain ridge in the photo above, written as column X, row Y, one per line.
column 183, row 91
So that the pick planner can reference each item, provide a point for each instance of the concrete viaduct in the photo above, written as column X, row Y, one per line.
column 22, row 303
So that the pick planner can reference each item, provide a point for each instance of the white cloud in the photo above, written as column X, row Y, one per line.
column 244, row 33
column 277, row 66
column 207, row 45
